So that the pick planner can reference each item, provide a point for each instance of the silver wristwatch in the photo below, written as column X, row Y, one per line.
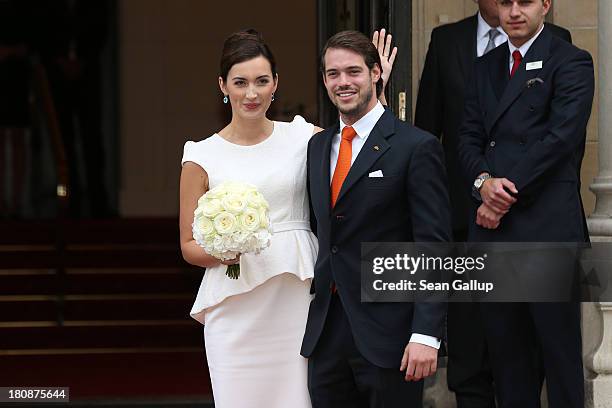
column 478, row 185
column 480, row 180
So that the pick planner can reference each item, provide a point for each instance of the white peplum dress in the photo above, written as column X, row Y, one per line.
column 253, row 326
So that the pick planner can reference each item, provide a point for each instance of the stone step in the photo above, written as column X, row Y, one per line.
column 89, row 307
column 115, row 378
column 99, row 280
column 106, row 335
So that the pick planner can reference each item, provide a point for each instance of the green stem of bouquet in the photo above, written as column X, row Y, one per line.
column 233, row 271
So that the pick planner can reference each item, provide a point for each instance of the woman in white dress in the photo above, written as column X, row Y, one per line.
column 254, row 325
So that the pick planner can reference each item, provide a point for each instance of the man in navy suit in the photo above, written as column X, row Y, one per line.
column 371, row 178
column 520, row 146
column 439, row 109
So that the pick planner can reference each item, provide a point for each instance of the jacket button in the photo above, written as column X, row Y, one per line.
column 531, row 108
column 334, row 249
column 339, row 217
column 492, row 144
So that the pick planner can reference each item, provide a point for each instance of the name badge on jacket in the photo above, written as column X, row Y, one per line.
column 534, row 65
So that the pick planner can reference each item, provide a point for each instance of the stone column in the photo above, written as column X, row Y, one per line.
column 600, row 222
column 598, row 385
column 599, row 316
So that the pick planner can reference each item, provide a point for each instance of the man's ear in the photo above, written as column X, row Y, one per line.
column 547, row 4
column 376, row 72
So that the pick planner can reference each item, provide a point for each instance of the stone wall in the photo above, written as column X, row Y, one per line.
column 169, row 93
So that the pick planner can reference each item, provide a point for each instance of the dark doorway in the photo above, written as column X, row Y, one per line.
column 366, row 16
column 67, row 161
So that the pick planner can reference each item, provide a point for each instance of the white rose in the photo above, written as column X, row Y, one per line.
column 250, row 219
column 241, row 237
column 205, row 226
column 215, row 192
column 264, row 237
column 233, row 187
column 254, row 198
column 262, row 203
column 234, row 203
column 217, row 243
column 210, row 208
column 225, row 222
column 208, row 243
column 264, row 222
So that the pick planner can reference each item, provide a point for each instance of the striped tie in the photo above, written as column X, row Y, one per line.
column 493, row 33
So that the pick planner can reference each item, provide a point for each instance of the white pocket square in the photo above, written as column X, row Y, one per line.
column 377, row 173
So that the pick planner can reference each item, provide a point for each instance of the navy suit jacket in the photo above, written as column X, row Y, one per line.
column 530, row 129
column 440, row 103
column 410, row 203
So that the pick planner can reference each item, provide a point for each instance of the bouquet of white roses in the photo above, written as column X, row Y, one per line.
column 232, row 219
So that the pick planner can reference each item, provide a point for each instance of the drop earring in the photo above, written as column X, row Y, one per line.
column 225, row 99
column 272, row 97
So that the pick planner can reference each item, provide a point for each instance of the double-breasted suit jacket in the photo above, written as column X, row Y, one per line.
column 531, row 129
column 440, row 103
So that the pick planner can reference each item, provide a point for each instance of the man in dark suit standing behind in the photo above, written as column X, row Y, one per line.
column 387, row 184
column 449, row 62
column 521, row 144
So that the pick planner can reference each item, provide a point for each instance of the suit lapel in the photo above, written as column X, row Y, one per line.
column 375, row 146
column 323, row 168
column 466, row 56
column 499, row 72
column 539, row 51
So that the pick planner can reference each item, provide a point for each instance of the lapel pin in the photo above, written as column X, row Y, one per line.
column 376, row 148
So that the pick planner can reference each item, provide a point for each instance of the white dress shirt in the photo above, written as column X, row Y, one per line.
column 482, row 36
column 523, row 48
column 363, row 127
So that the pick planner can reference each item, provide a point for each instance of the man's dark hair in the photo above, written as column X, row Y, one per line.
column 243, row 46
column 358, row 43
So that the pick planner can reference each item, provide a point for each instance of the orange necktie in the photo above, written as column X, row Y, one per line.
column 344, row 162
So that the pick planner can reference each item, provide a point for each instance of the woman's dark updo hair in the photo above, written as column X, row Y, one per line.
column 243, row 46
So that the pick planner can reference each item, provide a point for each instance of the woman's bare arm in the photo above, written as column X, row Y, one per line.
column 316, row 129
column 194, row 183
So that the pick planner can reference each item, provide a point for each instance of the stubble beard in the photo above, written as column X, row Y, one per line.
column 359, row 109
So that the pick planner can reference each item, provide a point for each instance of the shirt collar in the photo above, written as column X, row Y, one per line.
column 364, row 126
column 483, row 28
column 525, row 47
